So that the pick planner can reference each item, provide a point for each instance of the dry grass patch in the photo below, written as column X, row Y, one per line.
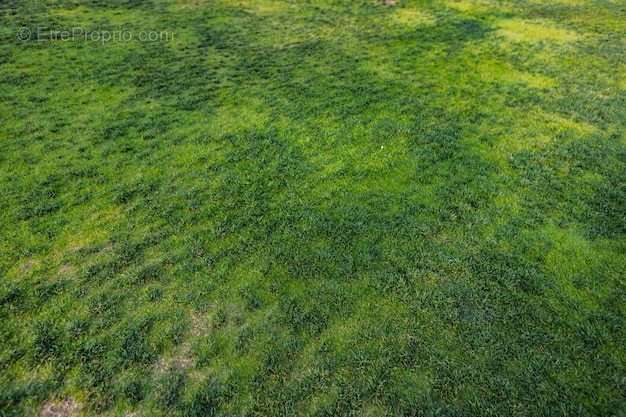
column 28, row 265
column 65, row 408
column 182, row 357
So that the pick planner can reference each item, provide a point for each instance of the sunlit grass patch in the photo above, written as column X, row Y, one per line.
column 570, row 3
column 559, row 123
column 261, row 7
column 186, row 5
column 89, row 19
column 413, row 17
column 600, row 19
column 73, row 13
column 537, row 129
column 245, row 115
column 92, row 233
column 533, row 31
column 572, row 260
column 494, row 71
column 479, row 6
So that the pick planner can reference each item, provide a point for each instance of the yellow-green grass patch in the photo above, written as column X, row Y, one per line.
column 533, row 31
column 413, row 17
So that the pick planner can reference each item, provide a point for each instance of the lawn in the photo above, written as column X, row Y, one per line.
column 312, row 208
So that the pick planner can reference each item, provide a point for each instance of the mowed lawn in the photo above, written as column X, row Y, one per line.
column 312, row 208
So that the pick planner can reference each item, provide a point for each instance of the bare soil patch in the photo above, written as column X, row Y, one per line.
column 65, row 408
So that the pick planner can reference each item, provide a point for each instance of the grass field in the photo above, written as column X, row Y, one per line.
column 312, row 208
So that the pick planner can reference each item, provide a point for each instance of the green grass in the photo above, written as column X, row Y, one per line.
column 314, row 208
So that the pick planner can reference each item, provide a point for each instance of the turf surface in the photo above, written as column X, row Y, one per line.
column 313, row 208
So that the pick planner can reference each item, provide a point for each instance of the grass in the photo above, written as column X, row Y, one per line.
column 314, row 208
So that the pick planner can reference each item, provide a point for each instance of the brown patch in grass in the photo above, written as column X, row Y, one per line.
column 75, row 246
column 106, row 249
column 199, row 324
column 67, row 269
column 182, row 358
column 389, row 2
column 28, row 265
column 65, row 408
